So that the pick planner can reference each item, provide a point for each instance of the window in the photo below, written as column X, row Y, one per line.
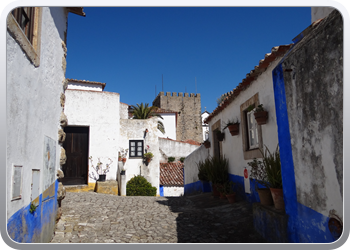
column 25, row 19
column 135, row 148
column 252, row 140
column 24, row 25
column 17, row 182
column 252, row 129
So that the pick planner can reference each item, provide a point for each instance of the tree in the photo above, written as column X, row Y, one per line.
column 141, row 111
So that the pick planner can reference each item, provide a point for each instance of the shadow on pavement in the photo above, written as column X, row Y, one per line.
column 203, row 218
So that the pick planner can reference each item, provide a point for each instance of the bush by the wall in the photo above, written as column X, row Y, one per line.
column 139, row 186
column 171, row 159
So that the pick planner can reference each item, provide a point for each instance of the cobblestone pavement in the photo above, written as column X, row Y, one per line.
column 101, row 218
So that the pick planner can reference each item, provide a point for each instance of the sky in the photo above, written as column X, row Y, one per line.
column 140, row 51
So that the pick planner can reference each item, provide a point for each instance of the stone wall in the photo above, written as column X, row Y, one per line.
column 189, row 121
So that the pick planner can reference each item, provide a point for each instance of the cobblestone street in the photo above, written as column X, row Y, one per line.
column 101, row 218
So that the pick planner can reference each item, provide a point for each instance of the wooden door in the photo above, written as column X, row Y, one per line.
column 77, row 146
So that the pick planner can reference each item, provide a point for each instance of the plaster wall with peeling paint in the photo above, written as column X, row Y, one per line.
column 314, row 102
column 32, row 120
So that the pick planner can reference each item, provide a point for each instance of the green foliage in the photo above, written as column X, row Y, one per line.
column 258, row 172
column 143, row 111
column 231, row 122
column 226, row 187
column 139, row 186
column 148, row 155
column 217, row 170
column 259, row 108
column 272, row 164
column 203, row 169
column 32, row 208
column 171, row 159
column 220, row 99
column 182, row 159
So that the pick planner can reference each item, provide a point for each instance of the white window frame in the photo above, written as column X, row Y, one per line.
column 19, row 196
column 252, row 127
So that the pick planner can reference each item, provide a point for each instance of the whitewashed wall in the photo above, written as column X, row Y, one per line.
column 173, row 191
column 134, row 129
column 232, row 147
column 124, row 111
column 169, row 121
column 98, row 111
column 33, row 105
column 177, row 149
column 190, row 164
column 84, row 86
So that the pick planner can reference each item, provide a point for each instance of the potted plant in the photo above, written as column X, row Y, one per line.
column 203, row 174
column 218, row 173
column 206, row 143
column 148, row 156
column 227, row 190
column 272, row 164
column 258, row 172
column 99, row 169
column 233, row 126
column 123, row 154
column 220, row 135
column 260, row 114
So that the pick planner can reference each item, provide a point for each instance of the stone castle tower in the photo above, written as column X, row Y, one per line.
column 189, row 121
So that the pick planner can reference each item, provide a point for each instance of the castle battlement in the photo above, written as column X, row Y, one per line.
column 177, row 94
column 188, row 106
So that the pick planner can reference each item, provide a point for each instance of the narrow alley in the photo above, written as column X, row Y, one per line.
column 101, row 218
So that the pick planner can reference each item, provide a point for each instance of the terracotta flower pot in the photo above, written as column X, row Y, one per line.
column 148, row 160
column 277, row 196
column 119, row 158
column 222, row 196
column 265, row 196
column 261, row 117
column 234, row 129
column 123, row 160
column 215, row 190
column 207, row 144
column 231, row 197
column 220, row 136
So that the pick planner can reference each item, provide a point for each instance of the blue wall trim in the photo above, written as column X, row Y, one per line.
column 287, row 164
column 26, row 227
column 305, row 225
column 161, row 190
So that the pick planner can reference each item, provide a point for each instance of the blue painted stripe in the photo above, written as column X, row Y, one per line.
column 161, row 190
column 26, row 227
column 287, row 164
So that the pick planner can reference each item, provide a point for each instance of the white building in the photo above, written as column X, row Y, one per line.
column 255, row 89
column 36, row 83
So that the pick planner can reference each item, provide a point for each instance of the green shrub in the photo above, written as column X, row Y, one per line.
column 182, row 159
column 218, row 170
column 171, row 159
column 203, row 169
column 139, row 186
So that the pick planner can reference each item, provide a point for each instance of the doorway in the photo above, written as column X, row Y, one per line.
column 77, row 148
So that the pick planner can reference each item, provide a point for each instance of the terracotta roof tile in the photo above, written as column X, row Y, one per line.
column 171, row 174
column 250, row 77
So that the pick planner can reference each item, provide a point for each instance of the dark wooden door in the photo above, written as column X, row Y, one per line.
column 77, row 146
